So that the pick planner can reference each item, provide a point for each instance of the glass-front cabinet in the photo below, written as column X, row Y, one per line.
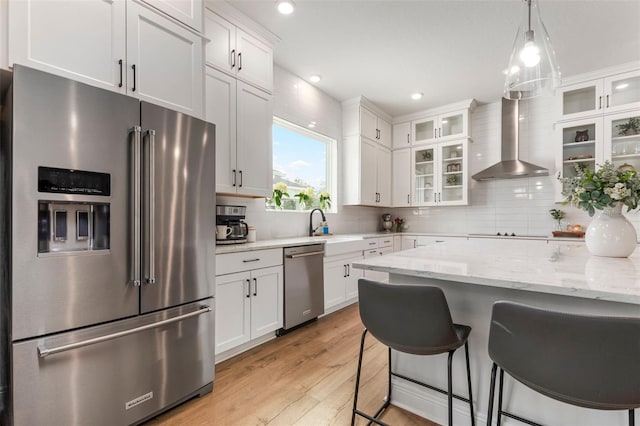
column 440, row 174
column 440, row 127
column 622, row 139
column 596, row 97
column 582, row 146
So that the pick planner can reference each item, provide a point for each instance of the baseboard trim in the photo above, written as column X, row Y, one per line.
column 223, row 356
column 430, row 404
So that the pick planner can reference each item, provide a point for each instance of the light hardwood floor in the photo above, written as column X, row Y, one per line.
column 304, row 378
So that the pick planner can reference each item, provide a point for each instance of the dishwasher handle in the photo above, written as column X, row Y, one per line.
column 313, row 253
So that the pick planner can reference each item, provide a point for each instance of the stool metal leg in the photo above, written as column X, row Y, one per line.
column 500, row 386
column 632, row 418
column 450, row 390
column 492, row 392
column 389, row 388
column 466, row 354
column 355, row 396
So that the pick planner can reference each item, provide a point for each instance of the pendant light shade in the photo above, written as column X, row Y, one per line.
column 533, row 69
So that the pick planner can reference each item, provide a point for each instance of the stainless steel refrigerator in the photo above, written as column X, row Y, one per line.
column 107, row 254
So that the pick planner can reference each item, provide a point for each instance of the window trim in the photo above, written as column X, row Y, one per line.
column 331, row 159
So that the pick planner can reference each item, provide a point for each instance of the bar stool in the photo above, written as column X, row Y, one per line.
column 414, row 320
column 583, row 360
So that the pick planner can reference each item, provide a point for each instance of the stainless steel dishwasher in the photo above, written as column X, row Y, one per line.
column 303, row 285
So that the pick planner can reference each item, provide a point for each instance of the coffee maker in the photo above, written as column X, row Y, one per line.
column 233, row 217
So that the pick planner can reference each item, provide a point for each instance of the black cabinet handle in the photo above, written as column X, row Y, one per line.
column 345, row 271
column 600, row 102
column 607, row 101
column 408, row 198
column 248, row 288
column 234, row 177
column 255, row 286
column 233, row 58
column 239, row 61
column 408, row 138
column 120, row 63
column 240, row 179
column 133, row 67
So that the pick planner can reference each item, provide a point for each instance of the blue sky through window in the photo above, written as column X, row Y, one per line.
column 297, row 156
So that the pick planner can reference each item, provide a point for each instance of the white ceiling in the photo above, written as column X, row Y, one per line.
column 449, row 50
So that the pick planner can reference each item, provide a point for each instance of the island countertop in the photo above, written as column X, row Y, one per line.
column 560, row 268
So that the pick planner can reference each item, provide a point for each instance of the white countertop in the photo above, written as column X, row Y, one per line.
column 293, row 241
column 554, row 267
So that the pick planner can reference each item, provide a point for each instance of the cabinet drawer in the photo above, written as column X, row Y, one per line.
column 237, row 262
column 385, row 241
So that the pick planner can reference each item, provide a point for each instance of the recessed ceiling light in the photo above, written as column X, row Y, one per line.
column 622, row 86
column 285, row 7
column 417, row 96
column 315, row 78
column 312, row 125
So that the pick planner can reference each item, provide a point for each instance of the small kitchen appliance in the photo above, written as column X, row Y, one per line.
column 233, row 217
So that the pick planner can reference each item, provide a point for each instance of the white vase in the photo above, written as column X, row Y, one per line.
column 610, row 234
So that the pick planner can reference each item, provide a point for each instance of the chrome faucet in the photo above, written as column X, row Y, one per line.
column 311, row 220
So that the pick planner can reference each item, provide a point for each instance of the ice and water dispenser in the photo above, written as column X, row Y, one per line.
column 73, row 225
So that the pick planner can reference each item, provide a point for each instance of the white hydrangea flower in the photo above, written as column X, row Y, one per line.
column 280, row 186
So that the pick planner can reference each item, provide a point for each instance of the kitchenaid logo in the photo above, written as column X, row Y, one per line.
column 139, row 400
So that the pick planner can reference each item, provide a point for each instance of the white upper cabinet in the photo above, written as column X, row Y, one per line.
column 402, row 135
column 441, row 127
column 619, row 92
column 366, row 172
column 243, row 116
column 361, row 117
column 440, row 174
column 189, row 12
column 159, row 61
column 237, row 52
column 401, row 182
column 165, row 64
column 80, row 40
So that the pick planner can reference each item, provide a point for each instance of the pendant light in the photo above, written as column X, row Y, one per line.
column 532, row 69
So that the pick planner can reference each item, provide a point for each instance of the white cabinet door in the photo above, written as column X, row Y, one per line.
column 168, row 61
column 353, row 274
column 254, row 61
column 383, row 173
column 384, row 132
column 266, row 300
column 425, row 130
column 408, row 242
column 368, row 163
column 401, row 180
column 80, row 40
column 189, row 12
column 220, row 51
column 221, row 110
column 334, row 283
column 254, row 123
column 402, row 135
column 368, row 124
column 232, row 310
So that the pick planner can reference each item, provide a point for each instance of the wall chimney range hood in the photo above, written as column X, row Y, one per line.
column 510, row 166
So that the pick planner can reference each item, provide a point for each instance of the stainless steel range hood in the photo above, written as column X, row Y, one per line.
column 510, row 167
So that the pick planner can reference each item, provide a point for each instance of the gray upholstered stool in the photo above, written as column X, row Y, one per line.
column 414, row 320
column 584, row 360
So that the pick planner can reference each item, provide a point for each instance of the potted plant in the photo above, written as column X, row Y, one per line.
column 279, row 191
column 608, row 189
column 631, row 127
column 558, row 215
column 305, row 197
column 325, row 200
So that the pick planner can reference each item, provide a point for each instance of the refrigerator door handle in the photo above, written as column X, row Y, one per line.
column 151, row 273
column 43, row 351
column 135, row 202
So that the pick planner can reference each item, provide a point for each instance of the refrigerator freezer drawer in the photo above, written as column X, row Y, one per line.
column 119, row 373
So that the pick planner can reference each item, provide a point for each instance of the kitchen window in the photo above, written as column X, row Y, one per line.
column 304, row 161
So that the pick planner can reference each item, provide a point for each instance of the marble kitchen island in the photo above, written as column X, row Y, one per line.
column 473, row 275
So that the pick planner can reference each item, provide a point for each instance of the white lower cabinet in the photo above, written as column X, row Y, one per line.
column 249, row 304
column 340, row 281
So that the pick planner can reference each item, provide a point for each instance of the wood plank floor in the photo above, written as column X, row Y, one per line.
column 304, row 378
